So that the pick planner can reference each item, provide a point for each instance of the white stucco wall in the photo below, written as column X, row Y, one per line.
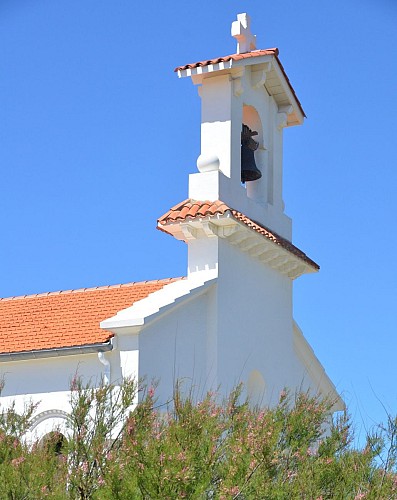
column 175, row 348
column 240, row 330
column 46, row 382
column 47, row 375
column 254, row 323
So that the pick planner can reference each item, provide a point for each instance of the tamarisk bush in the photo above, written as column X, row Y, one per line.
column 118, row 448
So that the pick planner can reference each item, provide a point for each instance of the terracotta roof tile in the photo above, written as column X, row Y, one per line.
column 191, row 209
column 66, row 318
column 231, row 57
column 237, row 57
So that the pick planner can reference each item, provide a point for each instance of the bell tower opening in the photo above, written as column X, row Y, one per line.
column 256, row 189
column 249, row 171
column 252, row 119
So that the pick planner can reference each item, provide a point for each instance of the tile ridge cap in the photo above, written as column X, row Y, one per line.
column 90, row 289
column 212, row 60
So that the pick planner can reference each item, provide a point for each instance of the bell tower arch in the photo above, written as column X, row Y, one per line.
column 252, row 119
column 257, row 190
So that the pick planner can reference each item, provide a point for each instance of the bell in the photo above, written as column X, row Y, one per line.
column 249, row 170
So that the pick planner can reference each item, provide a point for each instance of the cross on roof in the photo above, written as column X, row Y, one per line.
column 241, row 30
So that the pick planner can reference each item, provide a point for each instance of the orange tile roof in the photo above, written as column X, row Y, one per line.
column 189, row 209
column 67, row 318
column 192, row 209
column 247, row 55
column 231, row 57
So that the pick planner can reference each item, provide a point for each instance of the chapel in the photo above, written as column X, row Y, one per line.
column 230, row 319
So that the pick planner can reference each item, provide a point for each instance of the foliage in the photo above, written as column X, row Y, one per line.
column 27, row 471
column 95, row 428
column 117, row 448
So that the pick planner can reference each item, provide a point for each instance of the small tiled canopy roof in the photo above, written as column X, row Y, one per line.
column 66, row 319
column 192, row 209
column 231, row 57
column 239, row 57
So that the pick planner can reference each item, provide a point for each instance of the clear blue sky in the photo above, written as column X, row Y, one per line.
column 98, row 137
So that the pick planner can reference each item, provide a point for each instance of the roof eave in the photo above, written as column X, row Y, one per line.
column 56, row 352
column 133, row 319
column 205, row 69
column 226, row 225
column 287, row 99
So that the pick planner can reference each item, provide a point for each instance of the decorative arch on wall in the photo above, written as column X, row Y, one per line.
column 47, row 422
column 48, row 414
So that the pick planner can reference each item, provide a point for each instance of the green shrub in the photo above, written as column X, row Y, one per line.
column 212, row 449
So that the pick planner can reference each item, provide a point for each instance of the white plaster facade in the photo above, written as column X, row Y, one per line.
column 230, row 320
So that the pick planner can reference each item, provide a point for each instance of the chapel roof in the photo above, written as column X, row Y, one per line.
column 66, row 318
column 193, row 209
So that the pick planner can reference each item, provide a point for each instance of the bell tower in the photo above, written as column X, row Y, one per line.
column 240, row 254
column 245, row 90
column 246, row 102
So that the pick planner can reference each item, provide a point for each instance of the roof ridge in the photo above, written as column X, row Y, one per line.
column 214, row 60
column 89, row 289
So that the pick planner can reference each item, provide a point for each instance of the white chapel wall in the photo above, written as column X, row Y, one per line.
column 47, row 382
column 174, row 348
column 255, row 324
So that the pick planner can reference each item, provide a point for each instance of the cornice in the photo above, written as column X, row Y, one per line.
column 243, row 237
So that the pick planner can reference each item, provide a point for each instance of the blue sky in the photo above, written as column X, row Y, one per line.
column 98, row 136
